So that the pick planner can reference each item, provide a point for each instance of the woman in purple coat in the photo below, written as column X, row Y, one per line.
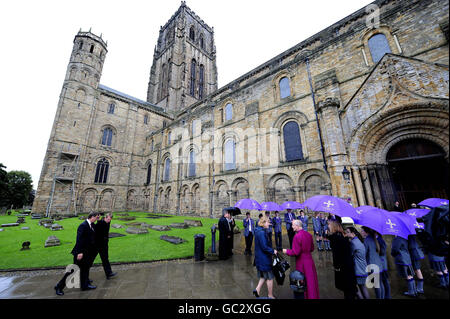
column 302, row 247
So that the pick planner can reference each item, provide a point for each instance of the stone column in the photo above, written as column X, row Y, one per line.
column 296, row 190
column 367, row 186
column 375, row 187
column 359, row 186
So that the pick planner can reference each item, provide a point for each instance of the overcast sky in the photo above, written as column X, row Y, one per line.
column 37, row 38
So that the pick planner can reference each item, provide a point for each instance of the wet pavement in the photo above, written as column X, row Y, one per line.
column 234, row 278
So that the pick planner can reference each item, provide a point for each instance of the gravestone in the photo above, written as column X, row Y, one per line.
column 114, row 235
column 117, row 226
column 56, row 227
column 22, row 215
column 1, row 229
column 42, row 222
column 10, row 225
column 193, row 223
column 138, row 224
column 173, row 239
column 25, row 245
column 20, row 220
column 159, row 227
column 25, row 228
column 36, row 216
column 179, row 225
column 127, row 219
column 135, row 230
column 3, row 210
column 52, row 241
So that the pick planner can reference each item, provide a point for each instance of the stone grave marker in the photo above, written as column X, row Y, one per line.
column 159, row 227
column 52, row 241
column 173, row 239
column 10, row 225
column 193, row 223
column 114, row 235
column 25, row 228
column 179, row 225
column 136, row 230
column 117, row 226
column 20, row 220
column 56, row 227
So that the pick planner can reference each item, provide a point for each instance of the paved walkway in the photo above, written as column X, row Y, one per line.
column 186, row 279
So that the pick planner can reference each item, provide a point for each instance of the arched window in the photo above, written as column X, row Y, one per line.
column 166, row 176
column 378, row 46
column 228, row 112
column 111, row 108
column 230, row 155
column 107, row 136
column 169, row 138
column 81, row 45
column 193, row 75
column 92, row 49
column 202, row 42
column 149, row 173
column 201, row 82
column 101, row 172
column 285, row 89
column 145, row 119
column 292, row 142
column 192, row 33
column 191, row 165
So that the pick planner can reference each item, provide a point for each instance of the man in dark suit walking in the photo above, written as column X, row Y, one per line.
column 101, row 241
column 83, row 253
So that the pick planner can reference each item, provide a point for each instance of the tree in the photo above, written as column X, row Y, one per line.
column 20, row 185
column 3, row 186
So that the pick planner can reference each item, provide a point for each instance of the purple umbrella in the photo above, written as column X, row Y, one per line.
column 433, row 202
column 292, row 205
column 388, row 223
column 270, row 206
column 248, row 203
column 417, row 212
column 366, row 210
column 332, row 205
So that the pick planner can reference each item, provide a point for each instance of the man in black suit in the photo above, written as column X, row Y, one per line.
column 101, row 241
column 83, row 253
column 225, row 234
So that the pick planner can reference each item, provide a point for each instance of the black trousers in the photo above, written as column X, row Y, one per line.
column 103, row 252
column 84, row 264
column 278, row 241
column 269, row 236
column 249, row 242
column 291, row 235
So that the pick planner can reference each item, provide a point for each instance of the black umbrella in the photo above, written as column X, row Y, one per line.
column 232, row 210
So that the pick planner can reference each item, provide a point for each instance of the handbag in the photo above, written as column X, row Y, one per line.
column 279, row 268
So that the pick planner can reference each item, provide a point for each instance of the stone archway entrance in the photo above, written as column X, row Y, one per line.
column 419, row 170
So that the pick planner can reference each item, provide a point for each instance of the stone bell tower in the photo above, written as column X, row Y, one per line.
column 58, row 183
column 184, row 62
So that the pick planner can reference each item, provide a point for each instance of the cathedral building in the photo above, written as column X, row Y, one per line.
column 359, row 110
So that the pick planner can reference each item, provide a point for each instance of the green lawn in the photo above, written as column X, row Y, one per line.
column 131, row 248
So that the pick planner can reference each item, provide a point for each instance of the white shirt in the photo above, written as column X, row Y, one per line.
column 90, row 224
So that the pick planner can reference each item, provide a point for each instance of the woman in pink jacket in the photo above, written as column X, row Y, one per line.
column 302, row 247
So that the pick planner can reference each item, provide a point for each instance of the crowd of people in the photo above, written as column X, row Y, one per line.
column 359, row 256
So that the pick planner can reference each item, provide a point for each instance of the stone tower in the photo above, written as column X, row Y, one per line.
column 71, row 127
column 184, row 62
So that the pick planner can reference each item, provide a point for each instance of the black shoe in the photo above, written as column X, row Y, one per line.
column 90, row 281
column 59, row 291
column 255, row 293
column 109, row 276
column 89, row 287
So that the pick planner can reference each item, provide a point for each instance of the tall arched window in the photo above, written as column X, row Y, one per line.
column 193, row 75
column 149, row 173
column 81, row 45
column 292, row 142
column 201, row 82
column 111, row 108
column 107, row 136
column 230, row 155
column 191, row 165
column 378, row 46
column 192, row 33
column 166, row 176
column 228, row 112
column 285, row 89
column 202, row 42
column 101, row 171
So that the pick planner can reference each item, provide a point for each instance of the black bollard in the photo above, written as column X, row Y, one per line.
column 213, row 239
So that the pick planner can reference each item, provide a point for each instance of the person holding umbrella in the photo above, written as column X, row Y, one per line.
column 225, row 233
column 402, row 258
column 249, row 230
column 277, row 230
